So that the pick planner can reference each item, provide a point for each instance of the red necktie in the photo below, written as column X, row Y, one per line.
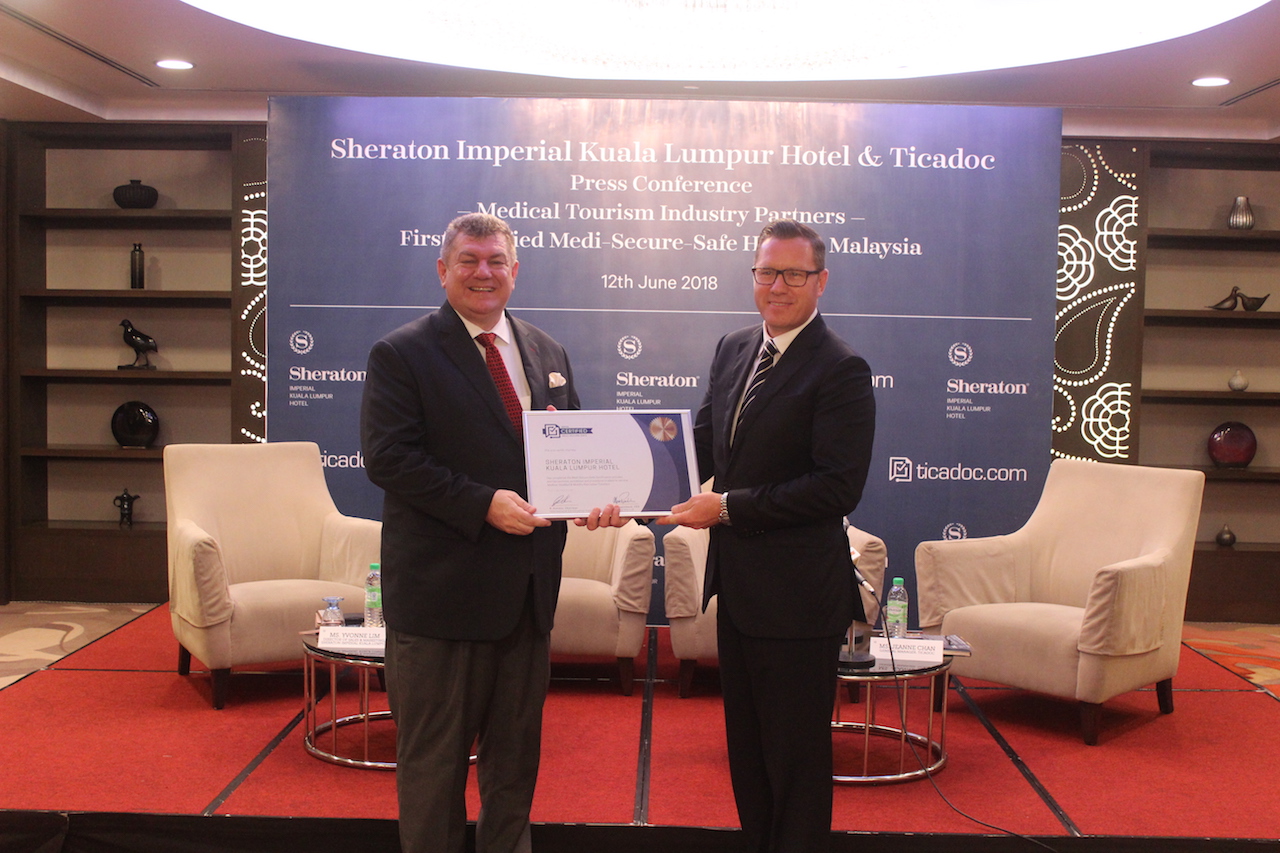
column 498, row 370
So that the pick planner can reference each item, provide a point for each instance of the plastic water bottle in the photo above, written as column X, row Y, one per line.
column 895, row 610
column 373, row 597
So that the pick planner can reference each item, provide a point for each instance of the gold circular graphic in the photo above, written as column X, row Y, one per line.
column 663, row 429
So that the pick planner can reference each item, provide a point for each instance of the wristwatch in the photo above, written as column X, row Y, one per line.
column 724, row 508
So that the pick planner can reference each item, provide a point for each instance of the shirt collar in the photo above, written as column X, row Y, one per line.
column 502, row 328
column 785, row 339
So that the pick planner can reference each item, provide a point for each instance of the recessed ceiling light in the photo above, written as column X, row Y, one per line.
column 1210, row 81
column 175, row 64
column 701, row 40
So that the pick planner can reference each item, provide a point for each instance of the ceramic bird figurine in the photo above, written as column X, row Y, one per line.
column 1229, row 302
column 141, row 344
column 1252, row 303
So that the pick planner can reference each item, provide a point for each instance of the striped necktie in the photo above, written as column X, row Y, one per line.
column 762, row 371
column 498, row 370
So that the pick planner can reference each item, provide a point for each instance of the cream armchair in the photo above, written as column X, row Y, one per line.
column 255, row 544
column 693, row 632
column 1086, row 600
column 605, row 586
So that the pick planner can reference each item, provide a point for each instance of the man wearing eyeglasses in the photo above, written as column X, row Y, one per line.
column 786, row 430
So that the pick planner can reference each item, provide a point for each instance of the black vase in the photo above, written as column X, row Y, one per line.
column 135, row 195
column 135, row 424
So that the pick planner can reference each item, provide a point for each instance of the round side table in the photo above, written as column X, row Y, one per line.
column 932, row 742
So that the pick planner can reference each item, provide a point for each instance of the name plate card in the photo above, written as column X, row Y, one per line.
column 914, row 649
column 643, row 461
column 354, row 640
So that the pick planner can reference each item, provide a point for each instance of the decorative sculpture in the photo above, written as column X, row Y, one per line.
column 135, row 424
column 1235, row 297
column 124, row 501
column 141, row 344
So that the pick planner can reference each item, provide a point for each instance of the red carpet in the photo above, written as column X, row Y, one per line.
column 112, row 727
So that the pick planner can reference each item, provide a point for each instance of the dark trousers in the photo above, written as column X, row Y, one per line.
column 778, row 698
column 447, row 696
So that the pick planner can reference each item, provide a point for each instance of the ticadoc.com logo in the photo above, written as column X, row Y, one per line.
column 629, row 347
column 301, row 342
column 899, row 469
column 556, row 431
column 903, row 470
column 960, row 354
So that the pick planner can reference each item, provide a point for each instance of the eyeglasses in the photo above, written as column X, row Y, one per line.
column 792, row 278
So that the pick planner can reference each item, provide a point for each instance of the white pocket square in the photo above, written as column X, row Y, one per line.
column 556, row 380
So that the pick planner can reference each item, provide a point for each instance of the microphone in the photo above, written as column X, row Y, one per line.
column 857, row 575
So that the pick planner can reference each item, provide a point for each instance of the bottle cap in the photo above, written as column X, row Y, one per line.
column 898, row 581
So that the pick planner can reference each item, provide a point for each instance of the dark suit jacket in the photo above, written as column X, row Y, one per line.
column 795, row 470
column 438, row 441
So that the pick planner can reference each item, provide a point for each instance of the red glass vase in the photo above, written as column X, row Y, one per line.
column 1232, row 445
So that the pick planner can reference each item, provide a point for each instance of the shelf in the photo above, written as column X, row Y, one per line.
column 139, row 528
column 169, row 298
column 1209, row 318
column 1254, row 474
column 92, row 217
column 130, row 377
column 113, row 453
column 1216, row 239
column 1212, row 398
column 1255, row 547
column 1226, row 156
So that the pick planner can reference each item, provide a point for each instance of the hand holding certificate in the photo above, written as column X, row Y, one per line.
column 642, row 461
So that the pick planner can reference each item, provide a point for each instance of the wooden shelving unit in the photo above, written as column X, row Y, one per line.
column 1191, row 261
column 61, row 542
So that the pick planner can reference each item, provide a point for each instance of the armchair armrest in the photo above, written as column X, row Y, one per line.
column 631, row 575
column 956, row 573
column 347, row 546
column 198, row 586
column 685, row 550
column 1124, row 614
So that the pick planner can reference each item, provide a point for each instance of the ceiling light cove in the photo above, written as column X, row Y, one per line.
column 732, row 40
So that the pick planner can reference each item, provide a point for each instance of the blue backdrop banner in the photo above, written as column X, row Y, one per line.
column 636, row 221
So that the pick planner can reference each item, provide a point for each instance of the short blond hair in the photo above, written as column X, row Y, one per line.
column 477, row 226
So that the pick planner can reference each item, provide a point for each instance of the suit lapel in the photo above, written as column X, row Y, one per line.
column 534, row 370
column 741, row 365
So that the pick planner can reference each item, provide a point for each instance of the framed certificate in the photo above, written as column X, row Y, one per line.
column 643, row 461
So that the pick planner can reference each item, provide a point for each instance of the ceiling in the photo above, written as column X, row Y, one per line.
column 74, row 60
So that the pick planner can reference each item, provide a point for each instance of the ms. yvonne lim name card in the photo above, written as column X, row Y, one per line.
column 355, row 640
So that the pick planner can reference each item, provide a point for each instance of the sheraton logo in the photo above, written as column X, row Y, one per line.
column 627, row 379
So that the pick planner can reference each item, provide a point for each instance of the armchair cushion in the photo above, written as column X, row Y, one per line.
column 1002, row 650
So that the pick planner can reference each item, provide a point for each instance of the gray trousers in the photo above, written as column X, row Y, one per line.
column 446, row 696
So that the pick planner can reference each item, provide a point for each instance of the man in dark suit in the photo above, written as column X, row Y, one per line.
column 789, row 447
column 470, row 574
